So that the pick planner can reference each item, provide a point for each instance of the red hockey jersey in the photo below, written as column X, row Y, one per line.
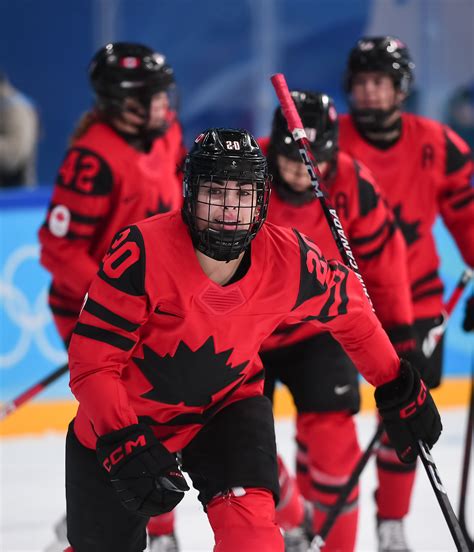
column 375, row 240
column 426, row 173
column 103, row 185
column 159, row 342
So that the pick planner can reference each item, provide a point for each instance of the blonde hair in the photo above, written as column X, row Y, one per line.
column 85, row 122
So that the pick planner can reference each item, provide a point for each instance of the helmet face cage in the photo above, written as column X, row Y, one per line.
column 319, row 117
column 124, row 70
column 226, row 191
column 386, row 54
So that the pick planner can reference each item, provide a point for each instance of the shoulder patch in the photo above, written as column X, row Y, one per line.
column 313, row 270
column 85, row 172
column 59, row 220
column 123, row 266
column 368, row 197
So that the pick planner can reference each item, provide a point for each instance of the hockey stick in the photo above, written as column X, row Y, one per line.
column 10, row 406
column 442, row 497
column 466, row 464
column 336, row 508
column 435, row 334
column 296, row 128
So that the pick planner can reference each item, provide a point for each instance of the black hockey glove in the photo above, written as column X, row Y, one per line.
column 468, row 322
column 408, row 413
column 417, row 359
column 143, row 472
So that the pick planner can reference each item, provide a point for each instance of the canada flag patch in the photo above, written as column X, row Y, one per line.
column 129, row 62
column 59, row 220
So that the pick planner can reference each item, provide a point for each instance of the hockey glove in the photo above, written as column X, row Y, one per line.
column 143, row 472
column 408, row 412
column 417, row 359
column 468, row 322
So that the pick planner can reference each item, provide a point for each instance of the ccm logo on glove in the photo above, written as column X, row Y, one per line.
column 123, row 450
column 145, row 475
column 409, row 410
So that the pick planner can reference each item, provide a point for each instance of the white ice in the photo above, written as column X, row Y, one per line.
column 32, row 489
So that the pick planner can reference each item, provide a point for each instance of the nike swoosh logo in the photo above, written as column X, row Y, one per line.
column 159, row 311
column 341, row 389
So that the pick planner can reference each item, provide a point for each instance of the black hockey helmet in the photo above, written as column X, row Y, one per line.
column 387, row 54
column 319, row 117
column 122, row 70
column 219, row 157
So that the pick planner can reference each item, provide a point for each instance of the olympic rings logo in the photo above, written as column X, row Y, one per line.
column 32, row 318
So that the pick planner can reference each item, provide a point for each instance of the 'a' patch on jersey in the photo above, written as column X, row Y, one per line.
column 59, row 220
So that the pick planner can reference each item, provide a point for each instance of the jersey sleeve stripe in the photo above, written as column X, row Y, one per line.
column 435, row 291
column 105, row 336
column 84, row 203
column 451, row 194
column 78, row 217
column 372, row 237
column 463, row 202
column 376, row 252
column 433, row 275
column 101, row 312
column 55, row 293
column 85, row 219
column 75, row 236
column 63, row 312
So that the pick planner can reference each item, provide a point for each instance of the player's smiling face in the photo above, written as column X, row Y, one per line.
column 374, row 90
column 226, row 205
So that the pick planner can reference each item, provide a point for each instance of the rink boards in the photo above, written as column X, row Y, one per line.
column 41, row 416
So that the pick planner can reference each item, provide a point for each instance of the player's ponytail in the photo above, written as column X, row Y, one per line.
column 85, row 122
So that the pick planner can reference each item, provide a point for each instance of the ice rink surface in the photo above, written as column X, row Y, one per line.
column 32, row 496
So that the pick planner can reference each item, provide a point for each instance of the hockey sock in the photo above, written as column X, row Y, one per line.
column 396, row 481
column 244, row 519
column 333, row 452
column 290, row 509
column 161, row 525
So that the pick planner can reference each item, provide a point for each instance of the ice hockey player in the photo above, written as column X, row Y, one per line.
column 319, row 374
column 424, row 169
column 122, row 166
column 164, row 358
